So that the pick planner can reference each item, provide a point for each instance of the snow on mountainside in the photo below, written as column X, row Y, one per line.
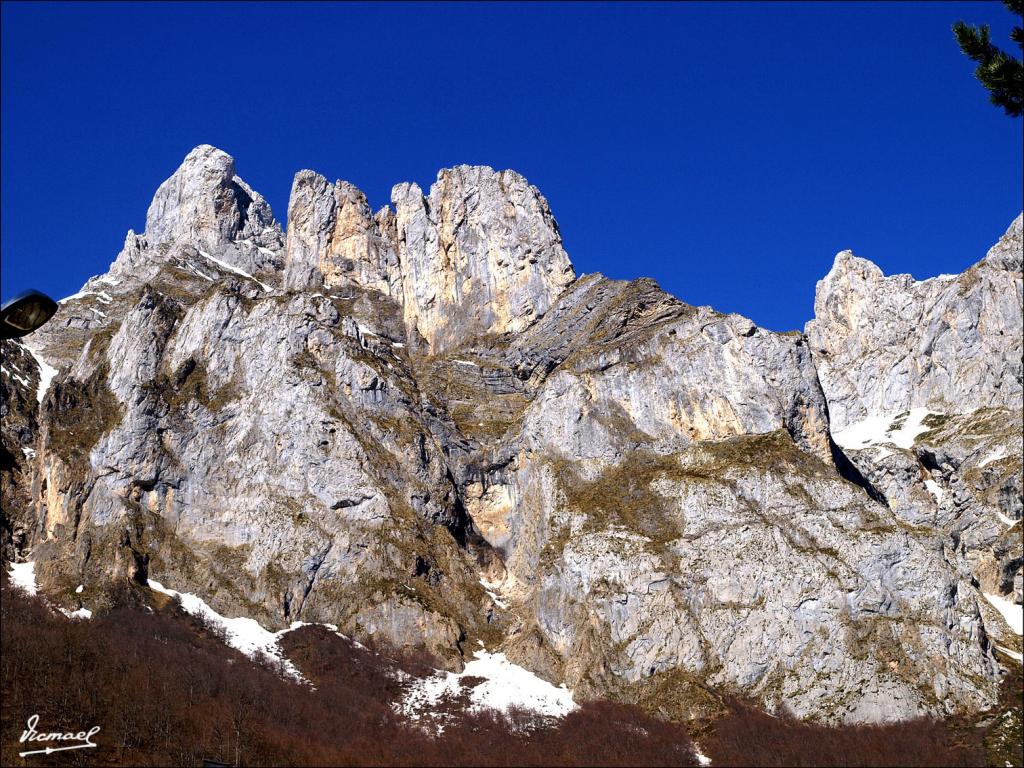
column 501, row 684
column 496, row 682
column 23, row 576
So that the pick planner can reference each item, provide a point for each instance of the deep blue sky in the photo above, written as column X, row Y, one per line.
column 726, row 150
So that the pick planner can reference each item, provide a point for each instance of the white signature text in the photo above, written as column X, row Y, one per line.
column 30, row 734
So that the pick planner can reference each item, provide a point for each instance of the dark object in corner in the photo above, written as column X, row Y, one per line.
column 25, row 313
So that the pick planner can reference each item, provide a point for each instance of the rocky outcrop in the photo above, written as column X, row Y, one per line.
column 19, row 427
column 924, row 389
column 419, row 424
column 260, row 454
column 668, row 494
column 204, row 227
column 883, row 345
column 481, row 254
column 334, row 240
column 206, row 206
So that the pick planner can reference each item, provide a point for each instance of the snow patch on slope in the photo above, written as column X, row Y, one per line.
column 1007, row 521
column 505, row 685
column 46, row 374
column 934, row 489
column 996, row 455
column 1012, row 654
column 241, row 633
column 1013, row 613
column 103, row 296
column 236, row 270
column 491, row 590
column 81, row 613
column 900, row 430
column 21, row 380
column 23, row 576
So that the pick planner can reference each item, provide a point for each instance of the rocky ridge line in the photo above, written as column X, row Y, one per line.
column 626, row 494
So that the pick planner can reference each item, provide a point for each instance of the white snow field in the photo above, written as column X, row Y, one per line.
column 879, row 430
column 241, row 633
column 23, row 576
column 1013, row 613
column 46, row 374
column 506, row 685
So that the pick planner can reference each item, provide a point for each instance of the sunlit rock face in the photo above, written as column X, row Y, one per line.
column 884, row 345
column 481, row 254
column 334, row 240
column 419, row 424
column 206, row 205
column 941, row 358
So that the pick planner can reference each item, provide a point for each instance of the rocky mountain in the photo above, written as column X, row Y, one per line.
column 420, row 424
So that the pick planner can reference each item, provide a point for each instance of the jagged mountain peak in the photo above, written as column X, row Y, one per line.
column 480, row 254
column 478, row 233
column 1005, row 254
column 886, row 344
column 206, row 204
column 846, row 263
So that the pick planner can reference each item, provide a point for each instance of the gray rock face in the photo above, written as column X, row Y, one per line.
column 668, row 503
column 481, row 254
column 947, row 352
column 334, row 240
column 205, row 205
column 884, row 345
column 420, row 424
column 961, row 479
column 19, row 427
column 205, row 226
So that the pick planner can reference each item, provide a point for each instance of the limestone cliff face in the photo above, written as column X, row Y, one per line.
column 419, row 424
column 481, row 254
column 19, row 415
column 671, row 517
column 334, row 240
column 884, row 345
column 943, row 354
column 205, row 205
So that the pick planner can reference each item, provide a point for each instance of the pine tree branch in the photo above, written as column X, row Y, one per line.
column 1000, row 73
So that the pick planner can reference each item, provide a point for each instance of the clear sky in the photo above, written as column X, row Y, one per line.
column 727, row 150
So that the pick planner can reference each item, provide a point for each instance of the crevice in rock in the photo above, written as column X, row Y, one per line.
column 844, row 466
column 849, row 472
column 243, row 200
column 353, row 502
column 422, row 567
column 315, row 565
column 140, row 560
column 461, row 525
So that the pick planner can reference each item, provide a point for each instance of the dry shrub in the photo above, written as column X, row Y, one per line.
column 749, row 737
column 166, row 692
